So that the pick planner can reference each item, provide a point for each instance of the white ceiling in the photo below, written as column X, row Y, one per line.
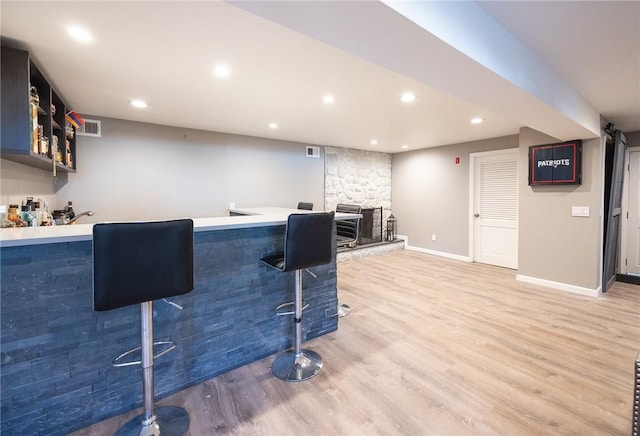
column 562, row 64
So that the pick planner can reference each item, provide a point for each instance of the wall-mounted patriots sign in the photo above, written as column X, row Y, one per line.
column 556, row 164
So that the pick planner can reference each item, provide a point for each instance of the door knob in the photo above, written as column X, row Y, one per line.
column 477, row 215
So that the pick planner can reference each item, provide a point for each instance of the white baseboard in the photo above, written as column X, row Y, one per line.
column 438, row 253
column 561, row 286
column 527, row 279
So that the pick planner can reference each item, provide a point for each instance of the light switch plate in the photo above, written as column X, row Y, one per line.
column 582, row 211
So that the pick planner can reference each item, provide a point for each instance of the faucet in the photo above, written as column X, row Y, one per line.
column 75, row 218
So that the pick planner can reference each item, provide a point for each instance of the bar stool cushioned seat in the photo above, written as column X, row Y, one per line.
column 307, row 243
column 136, row 263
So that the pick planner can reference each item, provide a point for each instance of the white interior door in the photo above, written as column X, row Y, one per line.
column 495, row 208
column 633, row 223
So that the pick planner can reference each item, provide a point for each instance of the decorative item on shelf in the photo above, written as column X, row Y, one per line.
column 44, row 145
column 54, row 143
column 74, row 119
column 37, row 135
column 35, row 129
column 33, row 95
column 69, row 154
column 53, row 109
column 69, row 161
column 68, row 130
column 392, row 228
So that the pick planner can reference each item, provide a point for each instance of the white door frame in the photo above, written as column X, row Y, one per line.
column 472, row 164
column 624, row 222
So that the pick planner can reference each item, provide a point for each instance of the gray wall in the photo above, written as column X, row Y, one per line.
column 145, row 171
column 553, row 245
column 633, row 139
column 18, row 181
column 430, row 194
column 138, row 171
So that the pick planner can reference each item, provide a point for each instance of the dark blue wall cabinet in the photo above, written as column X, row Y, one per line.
column 26, row 118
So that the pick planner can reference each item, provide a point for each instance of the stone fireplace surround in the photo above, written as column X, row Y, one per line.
column 357, row 177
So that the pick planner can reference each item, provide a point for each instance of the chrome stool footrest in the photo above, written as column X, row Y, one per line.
column 117, row 364
column 343, row 310
column 290, row 303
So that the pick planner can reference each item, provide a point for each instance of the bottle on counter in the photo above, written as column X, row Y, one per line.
column 13, row 214
column 4, row 217
column 58, row 217
column 68, row 211
column 44, row 212
column 27, row 217
column 37, row 213
column 47, row 214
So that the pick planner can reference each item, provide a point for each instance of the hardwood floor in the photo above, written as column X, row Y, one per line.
column 440, row 347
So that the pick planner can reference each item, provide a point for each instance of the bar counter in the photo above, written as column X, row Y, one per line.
column 240, row 218
column 56, row 373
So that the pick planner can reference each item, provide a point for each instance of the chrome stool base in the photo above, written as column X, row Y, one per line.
column 170, row 421
column 292, row 368
column 343, row 310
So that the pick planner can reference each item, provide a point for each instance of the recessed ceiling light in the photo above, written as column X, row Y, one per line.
column 404, row 147
column 408, row 97
column 328, row 99
column 139, row 104
column 222, row 70
column 477, row 120
column 273, row 126
column 79, row 33
column 374, row 142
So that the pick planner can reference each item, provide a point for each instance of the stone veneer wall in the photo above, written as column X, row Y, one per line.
column 357, row 177
column 56, row 352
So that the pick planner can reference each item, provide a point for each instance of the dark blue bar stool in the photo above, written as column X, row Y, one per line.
column 307, row 243
column 136, row 263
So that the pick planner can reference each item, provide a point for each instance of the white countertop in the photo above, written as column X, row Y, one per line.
column 251, row 217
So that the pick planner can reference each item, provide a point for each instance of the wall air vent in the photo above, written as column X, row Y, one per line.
column 90, row 128
column 313, row 151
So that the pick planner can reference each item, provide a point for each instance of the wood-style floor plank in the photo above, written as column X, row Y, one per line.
column 439, row 347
